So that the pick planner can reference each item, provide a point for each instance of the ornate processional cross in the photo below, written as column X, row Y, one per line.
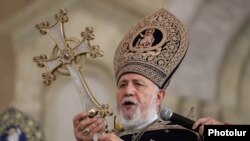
column 66, row 59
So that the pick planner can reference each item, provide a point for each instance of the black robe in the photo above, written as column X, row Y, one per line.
column 160, row 131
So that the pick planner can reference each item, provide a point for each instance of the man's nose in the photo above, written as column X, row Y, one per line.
column 129, row 94
column 130, row 90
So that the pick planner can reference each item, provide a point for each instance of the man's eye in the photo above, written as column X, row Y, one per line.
column 138, row 84
column 121, row 85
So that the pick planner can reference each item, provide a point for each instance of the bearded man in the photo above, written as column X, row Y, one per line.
column 142, row 76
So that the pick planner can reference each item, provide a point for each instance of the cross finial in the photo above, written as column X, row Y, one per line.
column 66, row 57
column 66, row 50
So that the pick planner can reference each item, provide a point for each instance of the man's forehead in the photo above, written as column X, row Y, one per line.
column 133, row 76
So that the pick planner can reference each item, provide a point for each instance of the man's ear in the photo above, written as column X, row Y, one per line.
column 160, row 95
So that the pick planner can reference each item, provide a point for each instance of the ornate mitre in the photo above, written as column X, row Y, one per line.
column 154, row 48
column 16, row 125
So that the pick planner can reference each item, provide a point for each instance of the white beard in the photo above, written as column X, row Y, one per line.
column 138, row 120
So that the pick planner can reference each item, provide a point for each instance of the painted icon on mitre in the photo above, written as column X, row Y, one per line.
column 147, row 39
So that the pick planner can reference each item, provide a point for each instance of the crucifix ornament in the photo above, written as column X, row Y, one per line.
column 67, row 57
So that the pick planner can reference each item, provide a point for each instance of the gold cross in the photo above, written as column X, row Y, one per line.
column 66, row 59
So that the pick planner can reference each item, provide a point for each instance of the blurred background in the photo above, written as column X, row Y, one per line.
column 214, row 77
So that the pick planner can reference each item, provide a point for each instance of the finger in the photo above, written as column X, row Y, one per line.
column 199, row 122
column 95, row 124
column 201, row 130
column 87, row 138
column 92, row 133
column 77, row 118
column 213, row 121
column 95, row 127
column 109, row 137
column 102, row 137
column 85, row 123
column 98, row 128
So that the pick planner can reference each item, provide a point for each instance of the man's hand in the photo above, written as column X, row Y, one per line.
column 85, row 128
column 109, row 137
column 206, row 121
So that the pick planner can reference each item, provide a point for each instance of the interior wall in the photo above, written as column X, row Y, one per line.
column 234, row 77
column 212, row 28
column 7, row 73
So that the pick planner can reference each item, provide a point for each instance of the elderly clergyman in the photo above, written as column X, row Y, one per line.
column 144, row 64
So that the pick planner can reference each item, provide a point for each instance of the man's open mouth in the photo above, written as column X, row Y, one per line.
column 127, row 103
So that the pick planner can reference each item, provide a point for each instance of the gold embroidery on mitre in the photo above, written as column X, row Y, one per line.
column 153, row 48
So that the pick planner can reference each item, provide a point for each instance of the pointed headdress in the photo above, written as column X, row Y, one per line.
column 154, row 48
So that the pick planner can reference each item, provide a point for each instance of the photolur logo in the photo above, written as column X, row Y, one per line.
column 215, row 132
